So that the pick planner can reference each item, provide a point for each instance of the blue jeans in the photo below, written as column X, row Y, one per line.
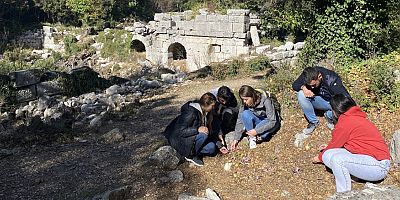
column 203, row 146
column 308, row 106
column 251, row 121
column 343, row 164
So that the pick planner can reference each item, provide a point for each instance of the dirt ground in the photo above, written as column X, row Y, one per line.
column 88, row 166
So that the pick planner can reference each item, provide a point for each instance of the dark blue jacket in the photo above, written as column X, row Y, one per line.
column 331, row 84
column 182, row 131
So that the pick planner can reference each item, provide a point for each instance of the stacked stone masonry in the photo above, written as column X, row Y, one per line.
column 206, row 38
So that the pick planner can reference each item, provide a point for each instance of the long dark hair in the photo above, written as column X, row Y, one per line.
column 248, row 91
column 341, row 104
column 226, row 94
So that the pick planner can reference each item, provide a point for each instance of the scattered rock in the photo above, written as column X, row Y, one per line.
column 114, row 135
column 165, row 157
column 96, row 122
column 285, row 193
column 114, row 89
column 186, row 196
column 395, row 148
column 289, row 46
column 211, row 194
column 122, row 193
column 5, row 152
column 169, row 78
column 227, row 166
column 299, row 139
column 370, row 191
column 175, row 176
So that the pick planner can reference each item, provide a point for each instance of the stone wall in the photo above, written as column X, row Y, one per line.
column 30, row 39
column 206, row 38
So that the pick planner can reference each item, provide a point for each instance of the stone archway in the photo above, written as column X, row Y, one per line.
column 177, row 56
column 138, row 46
column 177, row 51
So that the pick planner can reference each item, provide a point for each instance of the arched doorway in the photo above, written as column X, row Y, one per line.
column 177, row 57
column 138, row 46
column 176, row 51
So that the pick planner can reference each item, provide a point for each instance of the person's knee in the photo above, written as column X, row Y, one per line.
column 300, row 96
column 246, row 114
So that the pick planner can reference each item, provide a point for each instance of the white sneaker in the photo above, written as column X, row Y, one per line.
column 252, row 142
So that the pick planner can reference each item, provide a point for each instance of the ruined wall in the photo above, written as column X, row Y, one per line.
column 206, row 38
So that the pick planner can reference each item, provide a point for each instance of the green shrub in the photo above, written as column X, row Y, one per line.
column 258, row 64
column 280, row 83
column 82, row 82
column 7, row 91
column 221, row 71
column 117, row 45
column 372, row 82
column 236, row 67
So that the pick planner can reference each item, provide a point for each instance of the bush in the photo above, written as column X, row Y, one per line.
column 221, row 71
column 372, row 82
column 235, row 67
column 280, row 83
column 82, row 80
column 117, row 45
column 258, row 64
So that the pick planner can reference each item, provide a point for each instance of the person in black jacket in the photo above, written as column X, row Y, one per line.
column 189, row 132
column 225, row 115
column 315, row 87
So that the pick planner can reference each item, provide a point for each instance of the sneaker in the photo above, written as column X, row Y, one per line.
column 310, row 128
column 329, row 122
column 196, row 161
column 252, row 142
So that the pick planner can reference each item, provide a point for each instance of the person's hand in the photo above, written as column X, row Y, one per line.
column 234, row 145
column 203, row 129
column 307, row 92
column 251, row 132
column 316, row 160
column 224, row 150
column 322, row 147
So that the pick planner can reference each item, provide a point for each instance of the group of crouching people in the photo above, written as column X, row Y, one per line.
column 356, row 147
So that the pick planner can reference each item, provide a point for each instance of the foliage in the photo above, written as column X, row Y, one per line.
column 81, row 82
column 344, row 30
column 258, row 64
column 58, row 11
column 280, row 82
column 373, row 82
column 221, row 71
column 7, row 90
column 235, row 67
column 22, row 59
column 117, row 45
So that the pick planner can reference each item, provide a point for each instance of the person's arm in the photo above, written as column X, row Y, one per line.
column 340, row 136
column 270, row 115
column 184, row 122
column 298, row 83
column 239, row 128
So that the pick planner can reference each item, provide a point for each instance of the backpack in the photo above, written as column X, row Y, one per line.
column 274, row 100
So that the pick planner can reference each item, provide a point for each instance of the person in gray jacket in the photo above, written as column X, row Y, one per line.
column 258, row 119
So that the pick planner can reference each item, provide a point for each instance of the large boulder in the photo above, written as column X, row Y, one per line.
column 395, row 148
column 165, row 157
column 370, row 191
column 117, row 194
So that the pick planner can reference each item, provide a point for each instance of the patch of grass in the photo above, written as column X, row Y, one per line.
column 235, row 67
column 117, row 45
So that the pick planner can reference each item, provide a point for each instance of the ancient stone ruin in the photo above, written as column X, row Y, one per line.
column 194, row 41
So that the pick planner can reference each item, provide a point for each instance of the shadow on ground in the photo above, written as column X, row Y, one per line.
column 89, row 166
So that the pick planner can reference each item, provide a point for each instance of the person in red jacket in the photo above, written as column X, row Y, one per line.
column 356, row 148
